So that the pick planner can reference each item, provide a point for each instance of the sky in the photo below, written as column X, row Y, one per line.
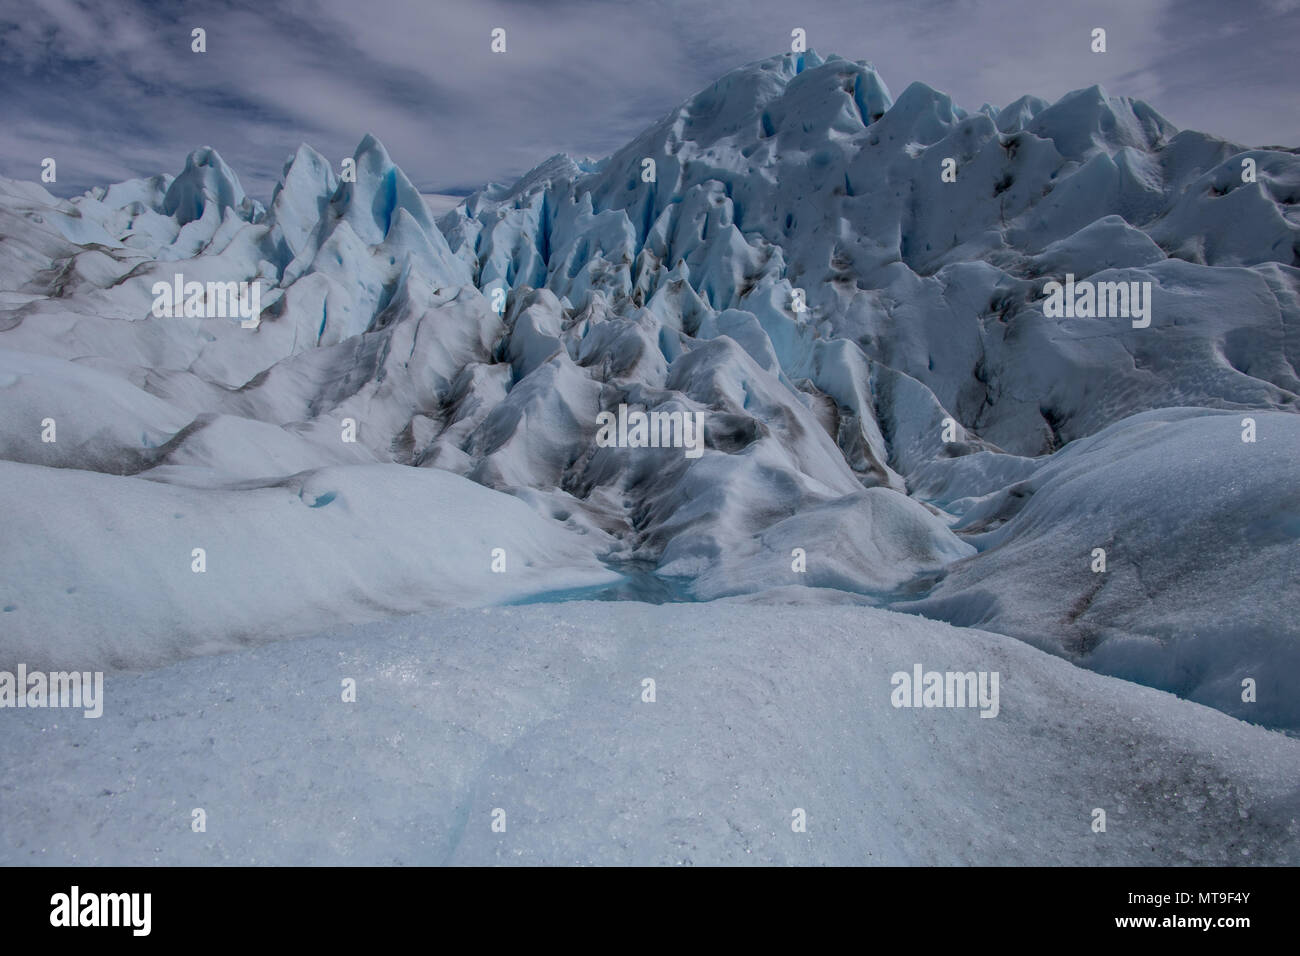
column 112, row 90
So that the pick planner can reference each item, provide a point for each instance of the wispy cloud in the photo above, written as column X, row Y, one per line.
column 111, row 89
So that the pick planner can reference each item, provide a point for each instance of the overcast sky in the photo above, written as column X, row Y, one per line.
column 111, row 89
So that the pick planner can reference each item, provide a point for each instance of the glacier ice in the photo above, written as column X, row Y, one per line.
column 796, row 271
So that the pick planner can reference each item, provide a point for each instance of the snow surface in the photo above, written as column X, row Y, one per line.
column 538, row 711
column 111, row 584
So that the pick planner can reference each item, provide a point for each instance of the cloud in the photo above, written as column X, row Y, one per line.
column 111, row 88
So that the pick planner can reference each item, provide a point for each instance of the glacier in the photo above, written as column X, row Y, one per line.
column 883, row 391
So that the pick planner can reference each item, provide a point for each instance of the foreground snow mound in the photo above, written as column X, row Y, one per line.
column 538, row 712
column 105, row 573
column 1201, row 534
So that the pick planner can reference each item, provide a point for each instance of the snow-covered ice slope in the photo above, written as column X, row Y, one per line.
column 869, row 344
column 106, row 576
column 538, row 711
column 1201, row 534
